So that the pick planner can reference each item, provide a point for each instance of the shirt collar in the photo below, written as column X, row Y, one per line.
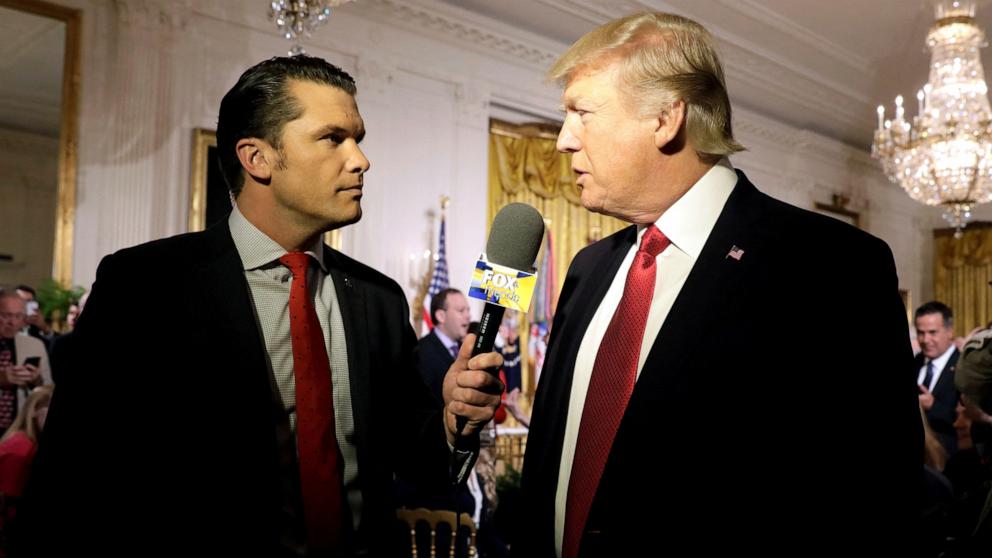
column 445, row 340
column 689, row 221
column 941, row 361
column 257, row 250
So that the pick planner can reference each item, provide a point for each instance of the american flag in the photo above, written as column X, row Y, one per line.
column 735, row 253
column 439, row 279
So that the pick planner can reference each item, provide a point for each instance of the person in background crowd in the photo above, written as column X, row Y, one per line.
column 934, row 368
column 509, row 346
column 62, row 345
column 436, row 351
column 23, row 359
column 17, row 450
column 35, row 323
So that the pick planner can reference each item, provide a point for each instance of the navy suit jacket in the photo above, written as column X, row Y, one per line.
column 945, row 402
column 163, row 438
column 742, row 435
column 433, row 361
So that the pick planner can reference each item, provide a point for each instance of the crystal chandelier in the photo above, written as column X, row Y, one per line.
column 943, row 155
column 297, row 19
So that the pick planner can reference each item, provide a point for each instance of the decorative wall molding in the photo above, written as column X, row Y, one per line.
column 472, row 102
column 491, row 36
column 171, row 15
column 837, row 52
column 374, row 74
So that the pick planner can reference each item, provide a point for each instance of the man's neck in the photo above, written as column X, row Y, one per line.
column 680, row 173
column 280, row 228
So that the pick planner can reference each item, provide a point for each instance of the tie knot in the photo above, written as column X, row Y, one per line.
column 297, row 263
column 654, row 241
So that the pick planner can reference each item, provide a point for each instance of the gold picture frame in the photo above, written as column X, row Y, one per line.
column 203, row 140
column 65, row 208
column 207, row 184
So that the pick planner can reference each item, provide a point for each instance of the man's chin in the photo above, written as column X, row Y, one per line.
column 339, row 221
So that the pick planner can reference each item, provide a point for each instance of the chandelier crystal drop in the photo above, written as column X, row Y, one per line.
column 297, row 19
column 943, row 155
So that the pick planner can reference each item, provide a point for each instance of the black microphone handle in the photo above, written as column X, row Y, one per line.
column 492, row 317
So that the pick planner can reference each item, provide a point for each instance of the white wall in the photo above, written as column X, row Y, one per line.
column 28, row 191
column 429, row 77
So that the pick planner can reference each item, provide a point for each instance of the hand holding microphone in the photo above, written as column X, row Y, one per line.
column 471, row 387
column 471, row 392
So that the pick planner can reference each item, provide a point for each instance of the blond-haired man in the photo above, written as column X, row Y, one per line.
column 696, row 336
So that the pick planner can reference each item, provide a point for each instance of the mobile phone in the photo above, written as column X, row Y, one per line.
column 32, row 307
column 32, row 361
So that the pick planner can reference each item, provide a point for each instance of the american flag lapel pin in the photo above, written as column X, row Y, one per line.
column 735, row 253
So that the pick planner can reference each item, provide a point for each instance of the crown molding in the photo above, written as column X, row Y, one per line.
column 469, row 29
column 838, row 53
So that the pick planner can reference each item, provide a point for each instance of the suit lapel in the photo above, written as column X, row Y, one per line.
column 352, row 302
column 582, row 306
column 227, row 293
column 708, row 294
column 945, row 385
column 571, row 320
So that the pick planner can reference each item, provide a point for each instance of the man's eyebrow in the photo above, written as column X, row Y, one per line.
column 334, row 129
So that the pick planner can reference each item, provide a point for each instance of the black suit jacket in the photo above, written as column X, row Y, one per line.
column 945, row 402
column 164, row 439
column 433, row 361
column 741, row 436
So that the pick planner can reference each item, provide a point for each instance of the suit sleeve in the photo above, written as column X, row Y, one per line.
column 79, row 479
column 877, row 417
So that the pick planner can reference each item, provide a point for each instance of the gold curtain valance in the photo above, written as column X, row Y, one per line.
column 525, row 156
column 974, row 248
column 962, row 271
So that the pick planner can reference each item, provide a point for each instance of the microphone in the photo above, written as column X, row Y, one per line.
column 514, row 240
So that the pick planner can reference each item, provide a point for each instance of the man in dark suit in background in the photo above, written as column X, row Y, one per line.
column 266, row 413
column 437, row 350
column 703, row 387
column 934, row 368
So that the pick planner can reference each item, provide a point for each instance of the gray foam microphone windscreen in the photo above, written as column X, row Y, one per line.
column 515, row 237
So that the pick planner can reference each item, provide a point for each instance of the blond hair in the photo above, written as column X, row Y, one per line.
column 25, row 421
column 662, row 58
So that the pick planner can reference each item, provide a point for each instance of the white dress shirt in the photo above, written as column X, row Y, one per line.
column 687, row 223
column 269, row 283
column 938, row 368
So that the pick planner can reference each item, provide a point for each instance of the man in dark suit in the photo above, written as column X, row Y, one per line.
column 437, row 350
column 703, row 387
column 934, row 368
column 267, row 411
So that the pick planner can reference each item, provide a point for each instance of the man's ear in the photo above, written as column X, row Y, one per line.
column 670, row 123
column 257, row 157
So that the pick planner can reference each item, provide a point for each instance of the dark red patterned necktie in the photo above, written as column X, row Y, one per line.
column 612, row 382
column 321, row 468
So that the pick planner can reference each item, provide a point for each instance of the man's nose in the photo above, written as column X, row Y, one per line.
column 567, row 141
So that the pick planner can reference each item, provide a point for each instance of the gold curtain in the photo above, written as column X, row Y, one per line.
column 962, row 271
column 524, row 166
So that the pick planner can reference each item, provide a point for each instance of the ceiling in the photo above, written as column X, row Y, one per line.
column 821, row 66
column 31, row 51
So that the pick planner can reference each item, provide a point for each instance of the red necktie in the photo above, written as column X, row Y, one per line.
column 320, row 465
column 612, row 382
